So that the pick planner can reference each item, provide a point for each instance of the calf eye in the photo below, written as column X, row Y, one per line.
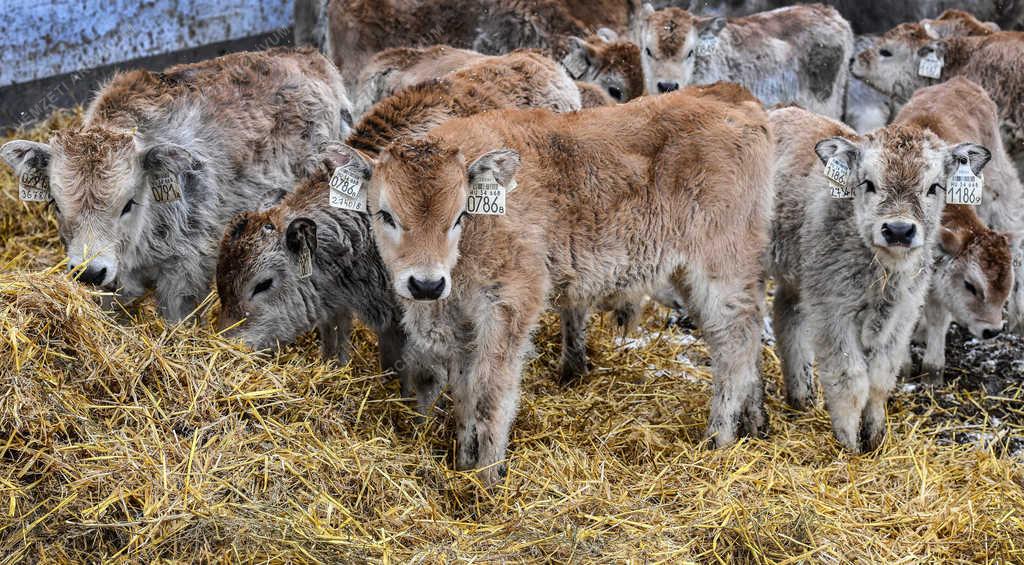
column 885, row 52
column 458, row 221
column 128, row 207
column 689, row 54
column 970, row 288
column 869, row 186
column 386, row 218
column 615, row 93
column 933, row 189
column 649, row 52
column 263, row 286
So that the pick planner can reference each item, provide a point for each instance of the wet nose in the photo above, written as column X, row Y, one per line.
column 990, row 333
column 426, row 289
column 668, row 86
column 91, row 274
column 899, row 233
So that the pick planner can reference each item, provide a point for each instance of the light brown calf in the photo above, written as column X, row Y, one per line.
column 601, row 202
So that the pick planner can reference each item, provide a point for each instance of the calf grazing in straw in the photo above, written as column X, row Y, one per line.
column 600, row 202
column 144, row 188
column 528, row 78
column 907, row 58
column 852, row 271
column 971, row 284
column 305, row 264
column 790, row 55
column 960, row 110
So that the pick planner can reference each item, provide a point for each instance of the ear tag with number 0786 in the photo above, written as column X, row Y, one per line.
column 487, row 195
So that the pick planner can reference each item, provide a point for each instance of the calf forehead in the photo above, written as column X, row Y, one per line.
column 423, row 180
column 909, row 33
column 992, row 252
column 903, row 156
column 670, row 28
column 91, row 166
column 246, row 243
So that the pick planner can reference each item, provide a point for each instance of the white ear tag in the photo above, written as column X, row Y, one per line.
column 964, row 187
column 706, row 45
column 576, row 64
column 34, row 185
column 487, row 195
column 346, row 189
column 164, row 186
column 305, row 263
column 931, row 66
column 838, row 175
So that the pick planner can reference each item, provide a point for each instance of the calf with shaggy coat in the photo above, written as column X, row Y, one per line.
column 600, row 202
column 791, row 55
column 163, row 160
column 852, row 273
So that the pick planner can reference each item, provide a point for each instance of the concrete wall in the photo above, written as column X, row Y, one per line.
column 45, row 38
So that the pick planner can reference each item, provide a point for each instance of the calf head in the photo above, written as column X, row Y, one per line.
column 607, row 61
column 271, row 284
column 896, row 178
column 958, row 23
column 417, row 194
column 668, row 41
column 974, row 278
column 891, row 65
column 99, row 185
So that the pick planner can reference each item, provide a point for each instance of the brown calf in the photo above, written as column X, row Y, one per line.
column 600, row 202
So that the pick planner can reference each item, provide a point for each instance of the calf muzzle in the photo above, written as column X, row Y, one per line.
column 426, row 289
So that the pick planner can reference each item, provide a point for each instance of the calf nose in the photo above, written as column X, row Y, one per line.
column 91, row 274
column 668, row 86
column 426, row 289
column 990, row 333
column 899, row 233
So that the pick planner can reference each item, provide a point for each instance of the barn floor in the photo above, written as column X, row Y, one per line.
column 128, row 440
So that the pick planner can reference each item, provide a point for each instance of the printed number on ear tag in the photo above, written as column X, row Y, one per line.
column 931, row 66
column 34, row 186
column 486, row 196
column 346, row 190
column 838, row 175
column 706, row 45
column 165, row 187
column 964, row 187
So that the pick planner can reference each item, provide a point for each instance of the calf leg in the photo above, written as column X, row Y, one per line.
column 846, row 396
column 574, row 343
column 936, row 325
column 729, row 314
column 335, row 334
column 795, row 348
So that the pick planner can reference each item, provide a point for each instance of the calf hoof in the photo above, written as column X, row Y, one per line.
column 572, row 373
column 934, row 376
column 799, row 402
column 871, row 435
column 466, row 452
column 754, row 421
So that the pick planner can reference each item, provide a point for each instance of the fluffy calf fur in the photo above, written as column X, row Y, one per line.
column 959, row 110
column 229, row 130
column 266, row 301
column 847, row 295
column 608, row 200
column 528, row 77
column 971, row 284
column 994, row 61
column 791, row 55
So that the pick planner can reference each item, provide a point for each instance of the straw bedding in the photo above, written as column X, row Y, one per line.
column 124, row 439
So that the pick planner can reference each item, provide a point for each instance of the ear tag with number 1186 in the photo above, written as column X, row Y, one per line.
column 838, row 175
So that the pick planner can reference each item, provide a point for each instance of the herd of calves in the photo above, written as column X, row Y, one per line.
column 461, row 195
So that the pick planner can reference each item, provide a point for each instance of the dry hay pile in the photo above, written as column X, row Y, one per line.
column 128, row 440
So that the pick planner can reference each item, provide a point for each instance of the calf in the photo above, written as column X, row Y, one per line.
column 605, row 201
column 971, row 284
column 852, row 273
column 995, row 61
column 527, row 77
column 790, row 55
column 959, row 110
column 163, row 160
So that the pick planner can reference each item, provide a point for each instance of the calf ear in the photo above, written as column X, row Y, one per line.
column 838, row 148
column 502, row 163
column 579, row 59
column 167, row 157
column 938, row 47
column 977, row 155
column 21, row 154
column 336, row 155
column 712, row 26
column 951, row 242
column 300, row 240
